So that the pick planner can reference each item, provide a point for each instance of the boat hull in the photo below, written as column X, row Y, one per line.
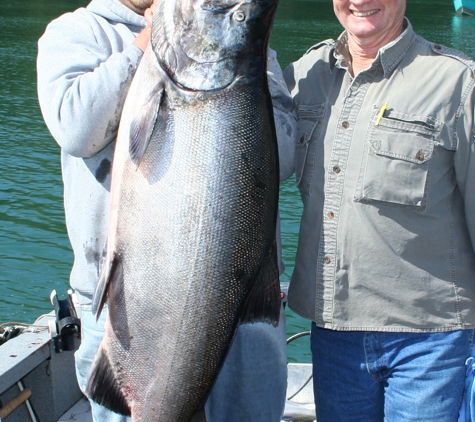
column 464, row 7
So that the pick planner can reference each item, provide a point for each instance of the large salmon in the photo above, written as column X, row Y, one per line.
column 191, row 246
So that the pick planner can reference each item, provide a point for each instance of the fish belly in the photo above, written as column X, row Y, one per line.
column 195, row 224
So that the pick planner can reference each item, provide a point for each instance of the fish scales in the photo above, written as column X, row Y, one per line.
column 188, row 213
column 191, row 232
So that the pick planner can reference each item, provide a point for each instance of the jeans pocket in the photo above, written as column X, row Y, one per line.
column 396, row 161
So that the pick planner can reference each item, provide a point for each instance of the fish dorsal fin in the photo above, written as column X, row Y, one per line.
column 141, row 127
column 263, row 303
column 111, row 273
column 103, row 388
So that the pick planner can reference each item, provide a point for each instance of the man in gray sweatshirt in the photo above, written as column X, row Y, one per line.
column 86, row 62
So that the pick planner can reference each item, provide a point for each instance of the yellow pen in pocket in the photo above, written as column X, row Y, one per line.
column 381, row 114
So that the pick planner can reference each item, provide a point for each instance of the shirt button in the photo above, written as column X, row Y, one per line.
column 346, row 125
column 420, row 156
column 336, row 169
column 327, row 260
column 331, row 215
column 302, row 139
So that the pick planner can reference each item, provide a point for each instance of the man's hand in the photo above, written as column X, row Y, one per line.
column 143, row 38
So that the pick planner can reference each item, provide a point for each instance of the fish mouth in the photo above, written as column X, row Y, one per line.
column 364, row 14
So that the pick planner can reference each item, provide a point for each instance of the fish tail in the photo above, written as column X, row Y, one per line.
column 102, row 386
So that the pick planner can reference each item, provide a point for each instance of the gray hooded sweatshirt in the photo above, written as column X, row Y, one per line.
column 85, row 65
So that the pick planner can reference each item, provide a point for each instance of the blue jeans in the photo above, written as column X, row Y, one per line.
column 393, row 377
column 250, row 387
column 252, row 383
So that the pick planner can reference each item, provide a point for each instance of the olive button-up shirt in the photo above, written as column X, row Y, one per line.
column 385, row 164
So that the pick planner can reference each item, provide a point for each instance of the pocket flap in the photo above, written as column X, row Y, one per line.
column 403, row 146
column 309, row 117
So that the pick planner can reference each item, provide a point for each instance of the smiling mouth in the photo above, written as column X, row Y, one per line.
column 364, row 14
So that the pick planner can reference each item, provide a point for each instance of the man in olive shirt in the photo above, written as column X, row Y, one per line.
column 385, row 268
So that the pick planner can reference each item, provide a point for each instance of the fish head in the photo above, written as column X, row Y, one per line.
column 205, row 45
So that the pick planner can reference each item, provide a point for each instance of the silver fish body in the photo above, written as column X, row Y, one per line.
column 191, row 246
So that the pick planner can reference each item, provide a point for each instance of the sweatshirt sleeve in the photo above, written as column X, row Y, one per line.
column 84, row 72
column 284, row 116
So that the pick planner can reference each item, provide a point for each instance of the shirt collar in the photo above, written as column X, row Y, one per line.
column 388, row 56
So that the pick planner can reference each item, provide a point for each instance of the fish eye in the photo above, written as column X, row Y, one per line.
column 239, row 16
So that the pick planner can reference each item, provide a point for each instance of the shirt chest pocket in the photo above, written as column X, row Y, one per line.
column 309, row 126
column 397, row 159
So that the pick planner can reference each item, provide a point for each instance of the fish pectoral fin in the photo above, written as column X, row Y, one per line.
column 141, row 127
column 111, row 273
column 263, row 303
column 103, row 388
